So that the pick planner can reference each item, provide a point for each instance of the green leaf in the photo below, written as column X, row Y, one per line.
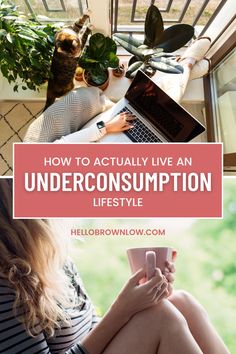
column 111, row 45
column 164, row 66
column 99, row 77
column 8, row 36
column 11, row 61
column 35, row 63
column 174, row 64
column 128, row 38
column 4, row 69
column 18, row 46
column 38, row 33
column 147, row 51
column 31, row 33
column 3, row 33
column 153, row 26
column 133, row 68
column 175, row 37
column 97, row 45
column 99, row 55
column 5, row 7
column 26, row 37
column 10, row 17
column 130, row 48
column 34, row 52
column 50, row 39
column 100, row 46
column 86, row 62
column 113, row 60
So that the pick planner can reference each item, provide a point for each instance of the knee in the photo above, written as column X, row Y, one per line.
column 185, row 301
column 181, row 297
column 163, row 317
column 170, row 316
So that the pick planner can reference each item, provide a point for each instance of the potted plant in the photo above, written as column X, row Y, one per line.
column 97, row 57
column 26, row 48
column 153, row 53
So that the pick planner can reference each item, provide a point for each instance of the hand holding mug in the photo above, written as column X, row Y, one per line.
column 169, row 274
column 151, row 258
column 136, row 296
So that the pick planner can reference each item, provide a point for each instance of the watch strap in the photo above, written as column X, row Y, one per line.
column 101, row 127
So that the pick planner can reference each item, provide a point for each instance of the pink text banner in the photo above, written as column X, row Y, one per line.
column 117, row 180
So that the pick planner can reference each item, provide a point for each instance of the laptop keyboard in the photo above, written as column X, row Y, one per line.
column 169, row 123
column 140, row 133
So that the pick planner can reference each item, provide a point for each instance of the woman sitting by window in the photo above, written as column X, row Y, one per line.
column 45, row 309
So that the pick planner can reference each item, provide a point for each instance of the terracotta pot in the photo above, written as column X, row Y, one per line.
column 79, row 74
column 89, row 82
column 119, row 71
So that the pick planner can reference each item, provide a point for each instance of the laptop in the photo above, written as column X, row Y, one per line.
column 158, row 117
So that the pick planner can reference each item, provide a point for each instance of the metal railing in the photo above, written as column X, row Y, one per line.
column 55, row 10
column 125, row 15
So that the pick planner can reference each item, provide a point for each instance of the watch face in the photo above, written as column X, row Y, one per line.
column 100, row 125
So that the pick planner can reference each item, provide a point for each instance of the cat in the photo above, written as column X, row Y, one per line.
column 69, row 42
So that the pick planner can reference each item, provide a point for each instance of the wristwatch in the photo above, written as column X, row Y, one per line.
column 102, row 128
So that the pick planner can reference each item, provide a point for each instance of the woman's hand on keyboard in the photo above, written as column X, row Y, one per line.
column 120, row 123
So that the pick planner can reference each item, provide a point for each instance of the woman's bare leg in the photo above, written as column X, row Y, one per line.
column 198, row 321
column 160, row 329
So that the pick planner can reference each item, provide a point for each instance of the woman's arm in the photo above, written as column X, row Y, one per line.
column 119, row 123
column 133, row 298
column 87, row 135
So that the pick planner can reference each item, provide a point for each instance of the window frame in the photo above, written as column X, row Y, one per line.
column 217, row 58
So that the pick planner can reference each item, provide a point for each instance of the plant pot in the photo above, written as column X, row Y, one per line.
column 119, row 71
column 79, row 74
column 87, row 79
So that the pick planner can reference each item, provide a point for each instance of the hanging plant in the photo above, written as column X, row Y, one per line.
column 26, row 48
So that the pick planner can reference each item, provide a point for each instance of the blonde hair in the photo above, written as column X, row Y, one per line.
column 31, row 259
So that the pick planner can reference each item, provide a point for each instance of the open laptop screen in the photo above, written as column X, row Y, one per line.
column 170, row 118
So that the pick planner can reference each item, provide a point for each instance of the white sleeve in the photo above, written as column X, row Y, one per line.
column 86, row 135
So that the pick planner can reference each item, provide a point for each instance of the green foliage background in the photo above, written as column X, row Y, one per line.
column 26, row 47
column 205, row 265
